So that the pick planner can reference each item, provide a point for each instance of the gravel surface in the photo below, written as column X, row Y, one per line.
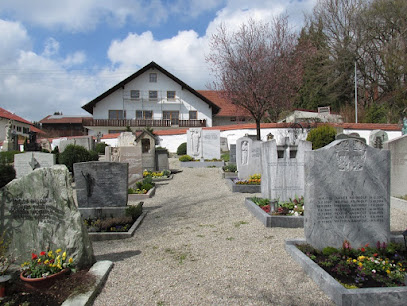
column 199, row 245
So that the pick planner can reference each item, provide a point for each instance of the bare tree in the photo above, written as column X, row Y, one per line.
column 257, row 67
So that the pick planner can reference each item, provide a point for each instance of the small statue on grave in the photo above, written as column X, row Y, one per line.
column 245, row 152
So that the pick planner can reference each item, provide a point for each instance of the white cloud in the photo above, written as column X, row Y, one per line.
column 13, row 36
column 51, row 47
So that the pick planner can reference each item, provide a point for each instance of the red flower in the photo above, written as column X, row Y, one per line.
column 42, row 253
column 362, row 249
column 34, row 256
column 375, row 255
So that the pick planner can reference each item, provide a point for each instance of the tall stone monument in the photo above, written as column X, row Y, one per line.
column 39, row 214
column 248, row 157
column 398, row 153
column 283, row 169
column 203, row 144
column 347, row 195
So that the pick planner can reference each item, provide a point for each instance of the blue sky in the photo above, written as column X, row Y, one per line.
column 57, row 56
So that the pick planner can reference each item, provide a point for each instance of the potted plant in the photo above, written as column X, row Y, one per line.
column 6, row 259
column 45, row 268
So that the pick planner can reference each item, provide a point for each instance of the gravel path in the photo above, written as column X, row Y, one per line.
column 199, row 245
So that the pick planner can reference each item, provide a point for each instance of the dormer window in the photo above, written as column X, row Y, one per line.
column 135, row 94
column 153, row 77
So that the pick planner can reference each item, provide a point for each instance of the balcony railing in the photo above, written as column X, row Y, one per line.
column 144, row 122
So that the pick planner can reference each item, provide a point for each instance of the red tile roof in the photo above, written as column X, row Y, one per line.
column 6, row 114
column 52, row 119
column 227, row 109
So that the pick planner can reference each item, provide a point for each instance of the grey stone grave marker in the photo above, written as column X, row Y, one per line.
column 248, row 157
column 347, row 195
column 194, row 143
column 377, row 138
column 224, row 144
column 25, row 163
column 86, row 141
column 101, row 184
column 283, row 169
column 232, row 154
column 211, row 144
column 39, row 214
column 398, row 153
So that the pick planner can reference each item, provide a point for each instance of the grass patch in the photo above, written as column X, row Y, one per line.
column 239, row 223
column 230, row 238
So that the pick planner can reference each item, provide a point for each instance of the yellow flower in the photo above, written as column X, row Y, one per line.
column 46, row 261
column 360, row 264
column 361, row 258
column 354, row 260
column 63, row 255
column 39, row 260
column 388, row 271
column 70, row 260
column 58, row 251
column 50, row 253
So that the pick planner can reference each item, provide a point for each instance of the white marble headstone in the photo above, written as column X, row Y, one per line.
column 248, row 157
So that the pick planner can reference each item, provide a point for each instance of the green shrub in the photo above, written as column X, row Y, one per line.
column 146, row 183
column 185, row 158
column 376, row 114
column 100, row 147
column 74, row 154
column 134, row 211
column 225, row 157
column 230, row 168
column 93, row 155
column 182, row 149
column 329, row 251
column 7, row 157
column 7, row 174
column 321, row 136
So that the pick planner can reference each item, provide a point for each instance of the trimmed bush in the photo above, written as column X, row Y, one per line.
column 100, row 148
column 182, row 149
column 321, row 136
column 225, row 157
column 7, row 174
column 7, row 157
column 185, row 158
column 74, row 154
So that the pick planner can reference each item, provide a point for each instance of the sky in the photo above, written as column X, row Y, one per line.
column 56, row 56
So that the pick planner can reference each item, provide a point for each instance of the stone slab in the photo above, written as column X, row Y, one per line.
column 86, row 141
column 398, row 203
column 25, row 163
column 398, row 153
column 132, row 155
column 39, row 213
column 248, row 157
column 211, row 144
column 224, row 144
column 228, row 175
column 102, row 212
column 101, row 184
column 242, row 188
column 161, row 160
column 273, row 221
column 232, row 154
column 100, row 270
column 347, row 194
column 339, row 294
column 377, row 138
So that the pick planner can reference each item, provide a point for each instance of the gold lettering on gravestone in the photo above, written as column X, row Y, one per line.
column 350, row 209
column 36, row 209
column 350, row 155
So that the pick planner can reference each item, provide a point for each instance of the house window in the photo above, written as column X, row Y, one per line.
column 153, row 77
column 171, row 115
column 117, row 114
column 144, row 114
column 232, row 118
column 26, row 130
column 153, row 94
column 193, row 115
column 18, row 128
column 145, row 145
column 170, row 95
column 135, row 94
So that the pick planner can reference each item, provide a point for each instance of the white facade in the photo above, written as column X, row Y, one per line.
column 20, row 128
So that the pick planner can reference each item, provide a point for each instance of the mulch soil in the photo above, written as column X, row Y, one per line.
column 17, row 292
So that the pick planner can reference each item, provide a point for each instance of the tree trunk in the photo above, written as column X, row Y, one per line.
column 258, row 129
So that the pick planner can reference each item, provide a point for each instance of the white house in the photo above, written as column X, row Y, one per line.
column 150, row 97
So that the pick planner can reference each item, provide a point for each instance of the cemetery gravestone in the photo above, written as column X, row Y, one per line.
column 351, row 135
column 161, row 160
column 194, row 143
column 132, row 156
column 398, row 153
column 25, row 163
column 101, row 184
column 86, row 141
column 126, row 139
column 377, row 138
column 39, row 213
column 283, row 170
column 211, row 144
column 232, row 154
column 248, row 157
column 347, row 195
column 224, row 144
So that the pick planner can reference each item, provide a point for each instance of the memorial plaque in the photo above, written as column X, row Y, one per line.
column 347, row 195
column 39, row 213
column 398, row 153
column 101, row 184
column 25, row 163
column 248, row 157
column 211, row 144
column 283, row 170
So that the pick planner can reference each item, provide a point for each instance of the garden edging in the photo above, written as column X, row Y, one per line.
column 339, row 294
column 134, row 197
column 243, row 188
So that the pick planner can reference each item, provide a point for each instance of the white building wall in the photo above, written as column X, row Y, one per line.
column 185, row 101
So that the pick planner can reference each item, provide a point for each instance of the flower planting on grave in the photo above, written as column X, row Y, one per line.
column 155, row 174
column 115, row 224
column 288, row 208
column 142, row 187
column 230, row 168
column 381, row 266
column 254, row 179
column 46, row 263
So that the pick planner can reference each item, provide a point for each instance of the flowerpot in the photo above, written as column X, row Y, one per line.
column 42, row 282
column 3, row 281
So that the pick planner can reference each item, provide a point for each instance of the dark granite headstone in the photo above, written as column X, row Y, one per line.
column 232, row 153
column 101, row 184
column 347, row 194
